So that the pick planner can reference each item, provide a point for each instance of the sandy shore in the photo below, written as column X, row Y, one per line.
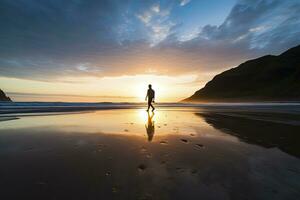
column 177, row 153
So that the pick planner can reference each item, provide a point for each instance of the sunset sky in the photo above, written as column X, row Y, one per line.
column 110, row 50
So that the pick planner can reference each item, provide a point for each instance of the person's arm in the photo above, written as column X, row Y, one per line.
column 146, row 96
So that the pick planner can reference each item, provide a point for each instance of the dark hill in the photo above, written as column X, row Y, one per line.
column 268, row 78
column 3, row 97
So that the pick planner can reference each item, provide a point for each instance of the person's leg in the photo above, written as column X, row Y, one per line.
column 149, row 103
column 152, row 107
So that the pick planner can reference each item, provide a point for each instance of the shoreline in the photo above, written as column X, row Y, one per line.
column 275, row 113
column 53, row 107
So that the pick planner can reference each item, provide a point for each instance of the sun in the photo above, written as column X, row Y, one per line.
column 141, row 91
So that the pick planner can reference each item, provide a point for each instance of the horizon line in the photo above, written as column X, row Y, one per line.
column 67, row 95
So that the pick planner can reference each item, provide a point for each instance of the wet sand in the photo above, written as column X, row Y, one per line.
column 177, row 153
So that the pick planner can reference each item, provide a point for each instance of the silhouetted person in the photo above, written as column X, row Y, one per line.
column 150, row 127
column 150, row 95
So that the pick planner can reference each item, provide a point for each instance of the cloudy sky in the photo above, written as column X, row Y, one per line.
column 109, row 50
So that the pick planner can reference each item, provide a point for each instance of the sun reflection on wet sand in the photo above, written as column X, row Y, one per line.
column 129, row 122
column 150, row 126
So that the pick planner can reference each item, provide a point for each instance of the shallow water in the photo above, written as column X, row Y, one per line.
column 177, row 153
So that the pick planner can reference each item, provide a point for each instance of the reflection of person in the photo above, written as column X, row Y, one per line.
column 150, row 95
column 150, row 127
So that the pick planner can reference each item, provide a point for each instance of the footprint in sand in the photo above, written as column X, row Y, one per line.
column 149, row 155
column 199, row 146
column 142, row 167
column 163, row 142
column 184, row 140
column 163, row 162
column 179, row 169
column 143, row 149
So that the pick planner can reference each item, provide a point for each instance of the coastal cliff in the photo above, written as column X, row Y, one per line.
column 268, row 78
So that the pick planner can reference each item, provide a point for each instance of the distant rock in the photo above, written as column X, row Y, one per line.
column 3, row 96
column 268, row 78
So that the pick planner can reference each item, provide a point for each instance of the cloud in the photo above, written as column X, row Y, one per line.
column 51, row 40
column 155, row 8
column 184, row 2
column 252, row 29
column 157, row 23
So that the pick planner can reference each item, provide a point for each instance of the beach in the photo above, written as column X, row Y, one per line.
column 119, row 151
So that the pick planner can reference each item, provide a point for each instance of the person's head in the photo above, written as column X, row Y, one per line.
column 150, row 86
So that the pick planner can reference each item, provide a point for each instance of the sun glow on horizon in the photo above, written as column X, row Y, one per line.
column 93, row 89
